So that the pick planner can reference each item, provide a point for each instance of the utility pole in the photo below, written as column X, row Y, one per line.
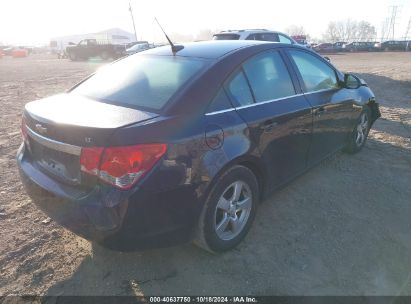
column 407, row 30
column 394, row 11
column 132, row 18
column 384, row 28
column 407, row 43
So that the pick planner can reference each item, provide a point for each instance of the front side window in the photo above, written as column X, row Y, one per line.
column 239, row 90
column 316, row 74
column 140, row 81
column 268, row 76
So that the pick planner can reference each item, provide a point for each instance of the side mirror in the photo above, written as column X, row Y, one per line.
column 351, row 81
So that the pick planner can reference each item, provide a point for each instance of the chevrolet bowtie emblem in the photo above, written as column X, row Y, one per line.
column 41, row 129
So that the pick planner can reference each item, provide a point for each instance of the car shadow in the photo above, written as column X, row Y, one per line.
column 320, row 235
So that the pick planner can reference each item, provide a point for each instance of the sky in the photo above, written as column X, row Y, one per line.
column 37, row 21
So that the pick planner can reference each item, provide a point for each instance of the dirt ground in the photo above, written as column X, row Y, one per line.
column 342, row 228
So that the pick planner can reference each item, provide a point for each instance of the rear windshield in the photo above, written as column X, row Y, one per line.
column 140, row 81
column 226, row 37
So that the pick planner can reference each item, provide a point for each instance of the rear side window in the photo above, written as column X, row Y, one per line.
column 220, row 102
column 268, row 77
column 316, row 74
column 284, row 39
column 140, row 81
column 239, row 90
column 226, row 37
column 264, row 37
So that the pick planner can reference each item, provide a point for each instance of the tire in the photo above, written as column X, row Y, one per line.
column 105, row 56
column 222, row 209
column 72, row 56
column 359, row 135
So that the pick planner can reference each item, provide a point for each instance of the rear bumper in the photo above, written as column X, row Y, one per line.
column 121, row 220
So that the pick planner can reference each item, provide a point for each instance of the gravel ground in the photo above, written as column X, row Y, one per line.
column 342, row 228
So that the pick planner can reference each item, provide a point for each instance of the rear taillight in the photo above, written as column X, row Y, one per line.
column 90, row 160
column 121, row 166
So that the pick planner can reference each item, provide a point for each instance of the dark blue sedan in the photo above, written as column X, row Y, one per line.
column 169, row 146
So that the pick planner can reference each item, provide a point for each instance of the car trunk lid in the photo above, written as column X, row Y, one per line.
column 60, row 125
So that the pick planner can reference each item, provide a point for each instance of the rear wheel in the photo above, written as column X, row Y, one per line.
column 360, row 133
column 105, row 56
column 229, row 210
column 73, row 57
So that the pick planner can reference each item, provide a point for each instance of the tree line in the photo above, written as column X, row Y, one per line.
column 343, row 30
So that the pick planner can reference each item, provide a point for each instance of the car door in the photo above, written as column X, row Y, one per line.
column 92, row 48
column 278, row 117
column 83, row 49
column 333, row 106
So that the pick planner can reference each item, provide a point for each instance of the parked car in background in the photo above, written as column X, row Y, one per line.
column 7, row 50
column 129, row 45
column 255, row 34
column 359, row 46
column 394, row 45
column 19, row 52
column 138, row 47
column 324, row 48
column 88, row 48
column 169, row 145
column 301, row 40
column 338, row 46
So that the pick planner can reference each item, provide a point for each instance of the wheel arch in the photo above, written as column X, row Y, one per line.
column 374, row 109
column 253, row 163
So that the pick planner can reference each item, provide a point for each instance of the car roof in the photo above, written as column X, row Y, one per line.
column 249, row 31
column 212, row 49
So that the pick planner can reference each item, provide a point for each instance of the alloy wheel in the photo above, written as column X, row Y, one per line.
column 233, row 210
column 362, row 130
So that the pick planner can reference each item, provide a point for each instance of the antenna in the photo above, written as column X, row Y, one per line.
column 174, row 48
column 132, row 18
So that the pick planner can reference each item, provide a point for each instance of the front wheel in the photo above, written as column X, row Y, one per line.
column 360, row 133
column 229, row 210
